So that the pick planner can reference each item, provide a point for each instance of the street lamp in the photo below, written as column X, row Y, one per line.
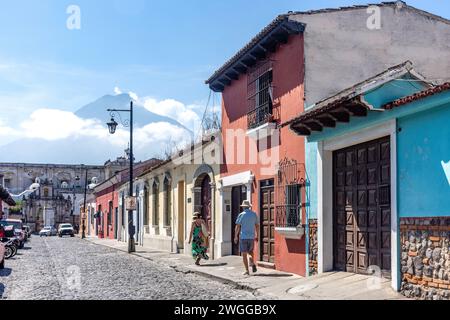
column 77, row 179
column 112, row 126
column 83, row 219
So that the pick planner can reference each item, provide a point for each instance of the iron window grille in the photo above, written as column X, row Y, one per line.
column 167, row 204
column 122, row 209
column 155, row 204
column 260, row 95
column 146, row 209
column 289, row 195
column 109, row 217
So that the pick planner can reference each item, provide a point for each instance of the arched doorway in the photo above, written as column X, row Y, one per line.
column 206, row 200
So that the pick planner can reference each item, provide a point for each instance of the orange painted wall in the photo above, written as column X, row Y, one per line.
column 288, row 75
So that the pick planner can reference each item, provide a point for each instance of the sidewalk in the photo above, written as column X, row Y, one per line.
column 267, row 282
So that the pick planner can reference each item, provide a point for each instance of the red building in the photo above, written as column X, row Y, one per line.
column 107, row 201
column 263, row 162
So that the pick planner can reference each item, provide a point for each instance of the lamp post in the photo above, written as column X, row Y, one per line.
column 112, row 126
column 77, row 179
column 83, row 219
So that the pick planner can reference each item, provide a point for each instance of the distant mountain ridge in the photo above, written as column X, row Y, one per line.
column 81, row 149
column 142, row 116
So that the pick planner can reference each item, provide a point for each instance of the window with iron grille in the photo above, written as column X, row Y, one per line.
column 293, row 205
column 123, row 210
column 290, row 187
column 109, row 217
column 260, row 95
column 167, row 203
column 146, row 209
column 155, row 193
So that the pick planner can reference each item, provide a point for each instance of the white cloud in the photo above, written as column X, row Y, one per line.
column 54, row 125
column 117, row 91
column 133, row 96
column 7, row 131
column 176, row 110
column 162, row 133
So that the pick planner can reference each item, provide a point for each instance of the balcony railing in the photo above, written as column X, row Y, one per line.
column 260, row 116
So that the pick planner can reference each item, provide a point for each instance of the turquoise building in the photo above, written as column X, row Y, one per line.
column 378, row 163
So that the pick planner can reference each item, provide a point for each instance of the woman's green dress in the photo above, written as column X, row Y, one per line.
column 198, row 244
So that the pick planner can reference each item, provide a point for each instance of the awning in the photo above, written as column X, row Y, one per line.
column 329, row 116
column 351, row 102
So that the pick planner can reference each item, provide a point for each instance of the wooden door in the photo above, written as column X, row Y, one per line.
column 108, row 218
column 116, row 219
column 268, row 224
column 362, row 204
column 206, row 201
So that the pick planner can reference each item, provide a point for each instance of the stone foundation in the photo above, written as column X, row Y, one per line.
column 425, row 260
column 313, row 248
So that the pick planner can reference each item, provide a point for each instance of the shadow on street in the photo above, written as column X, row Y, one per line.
column 5, row 272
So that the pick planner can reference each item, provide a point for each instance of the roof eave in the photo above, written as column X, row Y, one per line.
column 258, row 48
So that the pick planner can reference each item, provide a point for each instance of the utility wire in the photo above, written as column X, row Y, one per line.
column 205, row 113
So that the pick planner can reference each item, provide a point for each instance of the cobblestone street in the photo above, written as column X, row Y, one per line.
column 69, row 268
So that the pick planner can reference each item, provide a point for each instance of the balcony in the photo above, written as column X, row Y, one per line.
column 261, row 122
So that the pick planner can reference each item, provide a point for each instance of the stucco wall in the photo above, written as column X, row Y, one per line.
column 103, row 199
column 424, row 164
column 340, row 50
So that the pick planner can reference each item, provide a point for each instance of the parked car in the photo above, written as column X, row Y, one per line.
column 18, row 230
column 48, row 232
column 27, row 231
column 66, row 229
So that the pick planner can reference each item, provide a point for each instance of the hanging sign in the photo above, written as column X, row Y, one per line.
column 130, row 203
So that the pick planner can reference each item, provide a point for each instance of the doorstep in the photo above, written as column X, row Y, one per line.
column 266, row 265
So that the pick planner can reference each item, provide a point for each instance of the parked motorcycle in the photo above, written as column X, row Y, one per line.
column 10, row 248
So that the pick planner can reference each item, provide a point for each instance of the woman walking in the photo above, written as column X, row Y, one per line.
column 199, row 238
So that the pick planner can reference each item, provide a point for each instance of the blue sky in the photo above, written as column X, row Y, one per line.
column 159, row 49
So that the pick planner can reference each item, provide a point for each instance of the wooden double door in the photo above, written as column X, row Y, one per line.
column 362, row 207
column 267, row 222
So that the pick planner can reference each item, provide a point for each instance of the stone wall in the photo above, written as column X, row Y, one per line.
column 313, row 247
column 425, row 260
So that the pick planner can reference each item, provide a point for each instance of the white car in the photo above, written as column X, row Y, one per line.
column 66, row 229
column 47, row 232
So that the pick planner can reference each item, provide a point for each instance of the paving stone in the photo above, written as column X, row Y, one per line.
column 72, row 269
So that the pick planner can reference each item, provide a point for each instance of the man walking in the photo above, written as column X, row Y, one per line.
column 247, row 227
